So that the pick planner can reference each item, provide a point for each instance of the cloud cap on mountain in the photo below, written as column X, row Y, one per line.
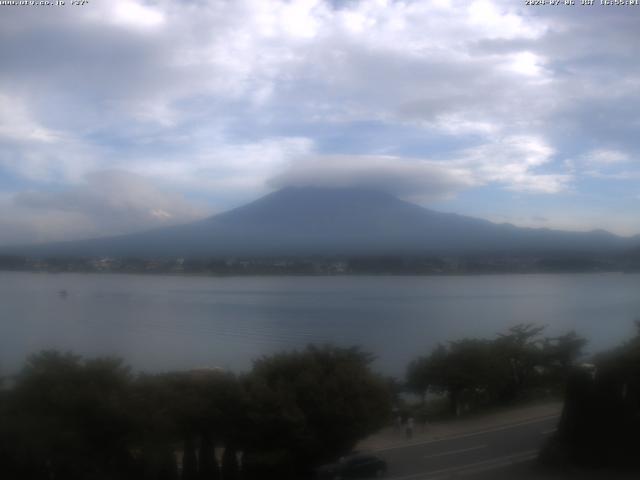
column 419, row 179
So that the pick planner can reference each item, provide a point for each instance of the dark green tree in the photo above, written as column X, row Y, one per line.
column 520, row 351
column 190, row 411
column 315, row 404
column 427, row 373
column 559, row 356
column 600, row 421
column 70, row 419
column 208, row 468
column 473, row 372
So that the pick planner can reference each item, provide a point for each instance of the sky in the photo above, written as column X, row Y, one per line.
column 123, row 115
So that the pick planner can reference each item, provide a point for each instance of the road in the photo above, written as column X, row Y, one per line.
column 497, row 451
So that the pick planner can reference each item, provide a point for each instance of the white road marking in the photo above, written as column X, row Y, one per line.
column 488, row 465
column 453, row 452
column 472, row 468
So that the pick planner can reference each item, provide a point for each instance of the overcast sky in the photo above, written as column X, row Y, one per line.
column 121, row 115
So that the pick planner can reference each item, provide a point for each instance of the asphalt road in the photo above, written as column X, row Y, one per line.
column 492, row 453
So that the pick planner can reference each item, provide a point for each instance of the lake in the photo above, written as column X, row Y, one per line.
column 178, row 322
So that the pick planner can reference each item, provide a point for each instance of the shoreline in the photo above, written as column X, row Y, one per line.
column 313, row 275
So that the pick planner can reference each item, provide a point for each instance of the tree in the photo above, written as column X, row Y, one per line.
column 520, row 350
column 559, row 356
column 316, row 403
column 70, row 419
column 472, row 372
column 189, row 411
column 601, row 416
column 427, row 373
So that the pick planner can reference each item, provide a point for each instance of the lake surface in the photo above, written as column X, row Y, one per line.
column 172, row 322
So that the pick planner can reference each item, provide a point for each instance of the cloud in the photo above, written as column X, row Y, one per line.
column 412, row 178
column 17, row 125
column 216, row 64
column 610, row 164
column 105, row 203
column 605, row 157
column 222, row 166
column 511, row 162
column 215, row 97
column 267, row 53
column 515, row 162
column 135, row 15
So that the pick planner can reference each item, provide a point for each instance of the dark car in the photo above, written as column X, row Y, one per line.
column 359, row 465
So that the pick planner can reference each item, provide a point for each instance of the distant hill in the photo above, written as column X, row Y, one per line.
column 336, row 221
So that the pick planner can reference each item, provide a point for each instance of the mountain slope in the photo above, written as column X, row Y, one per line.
column 344, row 221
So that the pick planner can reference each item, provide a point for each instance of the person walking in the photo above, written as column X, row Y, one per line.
column 409, row 428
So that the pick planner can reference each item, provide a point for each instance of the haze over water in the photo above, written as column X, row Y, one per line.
column 174, row 322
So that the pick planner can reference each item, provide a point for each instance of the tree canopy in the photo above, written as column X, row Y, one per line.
column 69, row 418
column 479, row 371
column 317, row 403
